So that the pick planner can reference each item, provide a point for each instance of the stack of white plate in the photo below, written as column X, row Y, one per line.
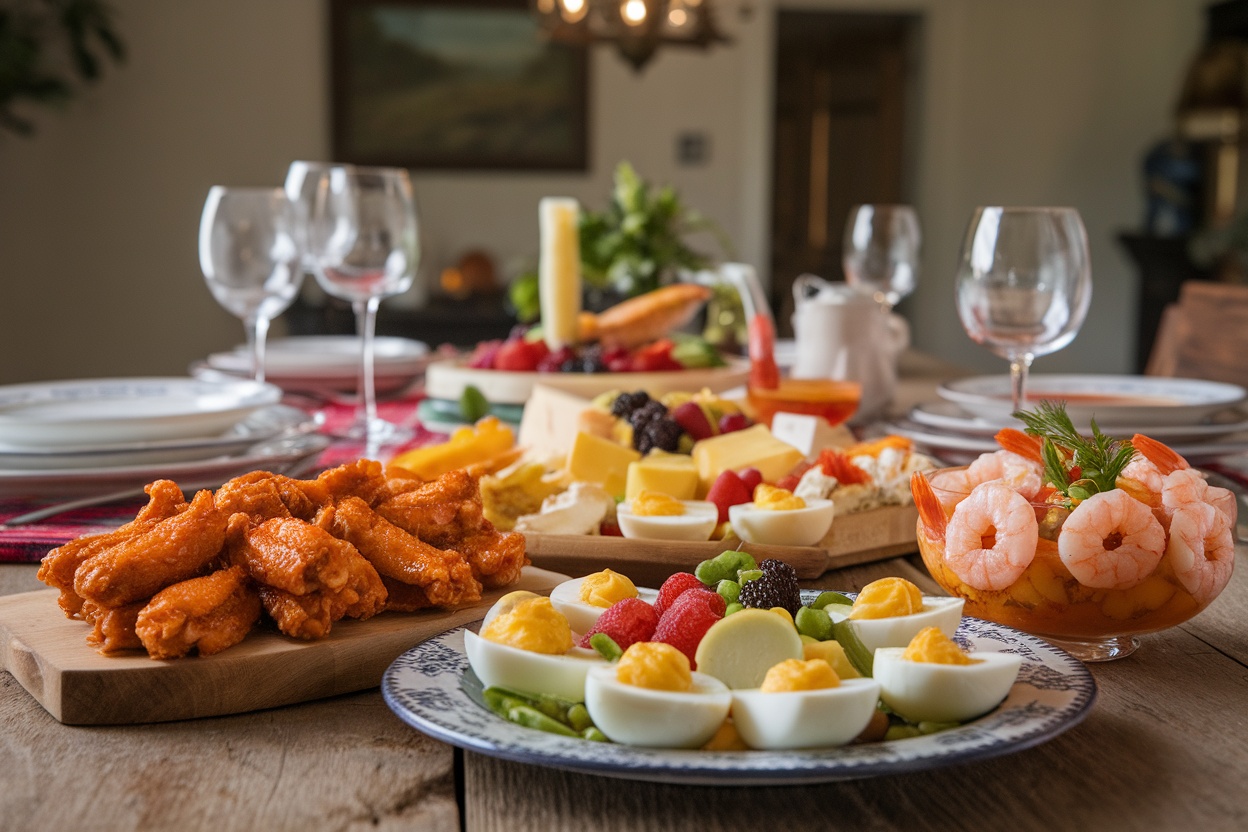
column 325, row 363
column 1202, row 420
column 92, row 435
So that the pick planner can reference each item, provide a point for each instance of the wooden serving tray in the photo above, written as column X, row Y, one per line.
column 48, row 654
column 855, row 538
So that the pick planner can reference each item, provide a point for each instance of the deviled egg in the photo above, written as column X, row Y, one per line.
column 651, row 698
column 655, row 516
column 803, row 704
column 582, row 600
column 933, row 680
column 890, row 611
column 781, row 518
column 525, row 643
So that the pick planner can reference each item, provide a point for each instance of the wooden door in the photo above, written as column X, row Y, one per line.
column 841, row 92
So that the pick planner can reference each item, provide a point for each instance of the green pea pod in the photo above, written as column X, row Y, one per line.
column 826, row 598
column 533, row 718
column 606, row 647
column 857, row 653
column 555, row 707
column 901, row 732
column 500, row 702
column 594, row 735
column 936, row 727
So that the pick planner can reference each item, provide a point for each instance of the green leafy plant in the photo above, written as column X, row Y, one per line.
column 1075, row 465
column 636, row 244
column 45, row 45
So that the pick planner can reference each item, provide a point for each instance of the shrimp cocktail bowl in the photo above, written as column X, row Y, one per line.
column 1086, row 541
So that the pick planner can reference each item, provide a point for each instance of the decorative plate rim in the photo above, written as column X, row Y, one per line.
column 439, row 707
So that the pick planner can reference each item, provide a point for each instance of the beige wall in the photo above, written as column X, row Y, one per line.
column 1021, row 102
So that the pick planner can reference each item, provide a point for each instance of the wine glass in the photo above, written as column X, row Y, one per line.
column 249, row 254
column 362, row 235
column 302, row 180
column 1024, row 284
column 881, row 251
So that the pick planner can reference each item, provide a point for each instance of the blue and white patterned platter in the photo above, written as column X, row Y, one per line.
column 1053, row 693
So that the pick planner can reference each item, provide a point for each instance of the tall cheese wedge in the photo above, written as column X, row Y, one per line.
column 559, row 270
column 672, row 474
column 753, row 447
column 594, row 459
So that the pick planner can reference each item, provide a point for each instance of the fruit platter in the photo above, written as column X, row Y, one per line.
column 613, row 679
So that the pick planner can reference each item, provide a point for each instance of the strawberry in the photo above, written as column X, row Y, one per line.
column 673, row 588
column 520, row 356
column 627, row 621
column 683, row 625
column 752, row 477
column 692, row 418
column 728, row 490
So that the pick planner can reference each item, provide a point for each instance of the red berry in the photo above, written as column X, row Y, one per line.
column 692, row 418
column 688, row 619
column 482, row 357
column 673, row 588
column 728, row 490
column 752, row 477
column 520, row 356
column 733, row 422
column 627, row 621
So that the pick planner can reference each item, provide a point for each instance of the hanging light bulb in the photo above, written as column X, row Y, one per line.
column 637, row 28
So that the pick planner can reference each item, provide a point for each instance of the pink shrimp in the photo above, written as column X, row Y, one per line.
column 1187, row 486
column 1111, row 541
column 991, row 538
column 1018, row 472
column 1023, row 444
column 1201, row 550
column 1161, row 455
column 951, row 487
column 931, row 513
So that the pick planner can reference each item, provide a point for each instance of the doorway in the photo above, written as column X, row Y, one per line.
column 843, row 89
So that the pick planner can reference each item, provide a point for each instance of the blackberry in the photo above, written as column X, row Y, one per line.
column 591, row 360
column 626, row 403
column 776, row 588
column 661, row 433
column 648, row 412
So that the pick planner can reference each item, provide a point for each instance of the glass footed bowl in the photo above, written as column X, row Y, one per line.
column 1091, row 623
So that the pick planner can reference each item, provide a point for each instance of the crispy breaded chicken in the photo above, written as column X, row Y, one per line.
column 312, row 615
column 438, row 512
column 207, row 614
column 173, row 550
column 113, row 627
column 496, row 557
column 290, row 554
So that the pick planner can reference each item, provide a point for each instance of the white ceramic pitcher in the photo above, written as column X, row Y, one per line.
column 845, row 334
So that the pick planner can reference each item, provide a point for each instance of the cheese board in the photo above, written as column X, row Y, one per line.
column 48, row 655
column 856, row 538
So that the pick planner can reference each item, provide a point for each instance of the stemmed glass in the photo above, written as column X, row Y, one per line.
column 362, row 236
column 1024, row 284
column 881, row 251
column 249, row 254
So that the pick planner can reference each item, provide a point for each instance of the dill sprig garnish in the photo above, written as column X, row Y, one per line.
column 1075, row 465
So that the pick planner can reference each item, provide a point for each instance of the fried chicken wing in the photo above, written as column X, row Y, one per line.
column 263, row 496
column 292, row 555
column 208, row 614
column 438, row 512
column 363, row 478
column 173, row 550
column 496, row 557
column 312, row 616
column 113, row 628
column 444, row 575
column 403, row 597
column 59, row 565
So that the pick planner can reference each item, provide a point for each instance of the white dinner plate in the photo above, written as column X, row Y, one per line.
column 1111, row 400
column 108, row 411
column 1053, row 693
column 947, row 416
column 285, row 455
column 959, row 447
column 447, row 378
column 310, row 362
column 265, row 423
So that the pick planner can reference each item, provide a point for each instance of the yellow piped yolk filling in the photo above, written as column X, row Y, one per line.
column 657, row 504
column 770, row 498
column 534, row 625
column 886, row 598
column 795, row 674
column 602, row 589
column 656, row 666
column 932, row 646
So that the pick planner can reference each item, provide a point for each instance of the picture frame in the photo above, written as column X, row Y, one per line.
column 455, row 84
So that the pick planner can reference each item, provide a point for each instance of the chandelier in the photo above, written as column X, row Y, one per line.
column 636, row 27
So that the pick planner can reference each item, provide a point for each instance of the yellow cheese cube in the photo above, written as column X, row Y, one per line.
column 753, row 447
column 601, row 461
column 672, row 474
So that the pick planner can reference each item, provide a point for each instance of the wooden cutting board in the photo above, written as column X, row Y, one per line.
column 48, row 654
column 855, row 538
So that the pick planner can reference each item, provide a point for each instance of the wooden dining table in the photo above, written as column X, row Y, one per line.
column 1165, row 747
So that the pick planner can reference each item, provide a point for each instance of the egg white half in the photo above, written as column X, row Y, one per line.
column 632, row 715
column 924, row 691
column 506, row 666
column 898, row 630
column 697, row 523
column 567, row 599
column 804, row 718
column 791, row 527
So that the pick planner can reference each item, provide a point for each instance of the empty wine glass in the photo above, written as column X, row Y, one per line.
column 249, row 254
column 362, row 235
column 302, row 180
column 881, row 251
column 1024, row 284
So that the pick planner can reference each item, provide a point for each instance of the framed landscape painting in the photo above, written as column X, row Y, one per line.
column 464, row 84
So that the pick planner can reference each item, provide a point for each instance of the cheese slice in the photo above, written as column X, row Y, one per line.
column 672, row 474
column 754, row 447
column 559, row 270
column 594, row 459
